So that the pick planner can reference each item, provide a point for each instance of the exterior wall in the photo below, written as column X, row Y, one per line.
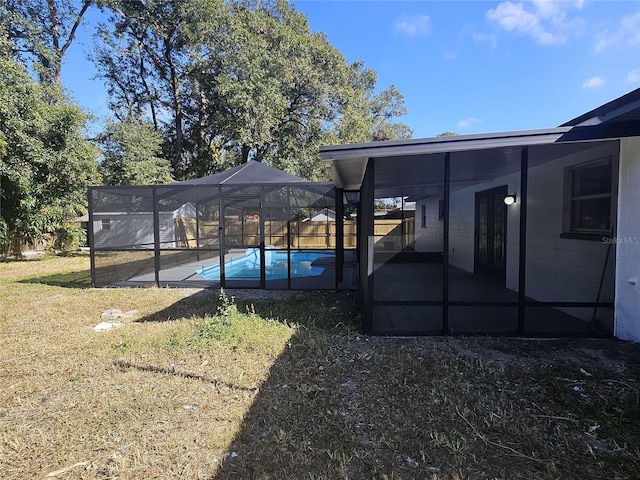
column 462, row 226
column 627, row 302
column 324, row 215
column 430, row 237
column 558, row 269
column 563, row 269
column 167, row 229
column 133, row 230
column 188, row 210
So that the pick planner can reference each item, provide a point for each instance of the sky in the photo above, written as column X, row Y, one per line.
column 464, row 66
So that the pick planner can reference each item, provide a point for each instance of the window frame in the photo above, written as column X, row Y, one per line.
column 568, row 230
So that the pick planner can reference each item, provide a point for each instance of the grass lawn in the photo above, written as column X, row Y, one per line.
column 191, row 387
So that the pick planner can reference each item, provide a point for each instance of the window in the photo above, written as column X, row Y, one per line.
column 441, row 209
column 423, row 215
column 106, row 224
column 588, row 197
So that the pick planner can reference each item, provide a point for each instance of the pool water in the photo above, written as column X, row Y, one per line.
column 247, row 267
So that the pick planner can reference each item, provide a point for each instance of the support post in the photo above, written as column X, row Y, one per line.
column 263, row 267
column 402, row 226
column 522, row 253
column 90, row 238
column 339, row 246
column 445, row 245
column 156, row 237
column 222, row 240
column 367, row 260
column 288, row 238
column 197, row 233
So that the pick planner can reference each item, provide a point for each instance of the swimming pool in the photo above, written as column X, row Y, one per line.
column 247, row 267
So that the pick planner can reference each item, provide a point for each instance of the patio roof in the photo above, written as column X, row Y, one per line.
column 347, row 163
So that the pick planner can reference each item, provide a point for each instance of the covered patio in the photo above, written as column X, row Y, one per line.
column 510, row 232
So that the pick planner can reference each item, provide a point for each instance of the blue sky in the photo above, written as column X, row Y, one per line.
column 467, row 66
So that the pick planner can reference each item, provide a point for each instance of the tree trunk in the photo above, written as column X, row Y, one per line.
column 177, row 108
column 246, row 150
column 52, row 62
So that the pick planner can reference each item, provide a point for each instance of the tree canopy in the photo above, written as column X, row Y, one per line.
column 195, row 86
column 45, row 164
column 228, row 82
column 42, row 31
column 132, row 152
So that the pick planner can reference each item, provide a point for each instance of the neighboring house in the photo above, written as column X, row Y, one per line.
column 559, row 256
column 405, row 211
column 324, row 215
column 118, row 226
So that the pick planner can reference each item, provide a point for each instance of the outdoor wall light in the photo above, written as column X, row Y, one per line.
column 509, row 199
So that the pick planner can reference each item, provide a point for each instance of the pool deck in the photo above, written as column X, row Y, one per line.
column 187, row 276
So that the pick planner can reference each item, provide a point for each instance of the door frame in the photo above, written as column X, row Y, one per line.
column 228, row 201
column 477, row 266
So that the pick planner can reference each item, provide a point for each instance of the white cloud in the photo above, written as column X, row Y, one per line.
column 593, row 82
column 634, row 76
column 544, row 20
column 413, row 25
column 467, row 122
column 603, row 41
column 626, row 35
column 482, row 37
column 451, row 56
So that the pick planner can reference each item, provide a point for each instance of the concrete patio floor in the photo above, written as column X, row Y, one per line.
column 412, row 282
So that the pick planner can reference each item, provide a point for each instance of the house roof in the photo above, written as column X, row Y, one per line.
column 143, row 207
column 347, row 163
column 250, row 173
column 623, row 109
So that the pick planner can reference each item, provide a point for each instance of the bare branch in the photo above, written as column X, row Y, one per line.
column 76, row 23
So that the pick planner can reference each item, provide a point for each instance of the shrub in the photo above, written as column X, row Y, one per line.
column 70, row 238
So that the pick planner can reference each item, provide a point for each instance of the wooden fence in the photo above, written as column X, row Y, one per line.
column 304, row 235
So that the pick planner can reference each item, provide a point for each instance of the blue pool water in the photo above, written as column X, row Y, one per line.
column 247, row 267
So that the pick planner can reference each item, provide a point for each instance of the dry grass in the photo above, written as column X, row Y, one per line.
column 287, row 389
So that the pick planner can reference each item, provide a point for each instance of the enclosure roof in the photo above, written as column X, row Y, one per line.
column 249, row 173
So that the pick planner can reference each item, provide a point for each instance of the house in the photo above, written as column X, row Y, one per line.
column 324, row 215
column 530, row 233
column 119, row 225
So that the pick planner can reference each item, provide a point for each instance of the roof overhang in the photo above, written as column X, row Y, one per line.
column 346, row 164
